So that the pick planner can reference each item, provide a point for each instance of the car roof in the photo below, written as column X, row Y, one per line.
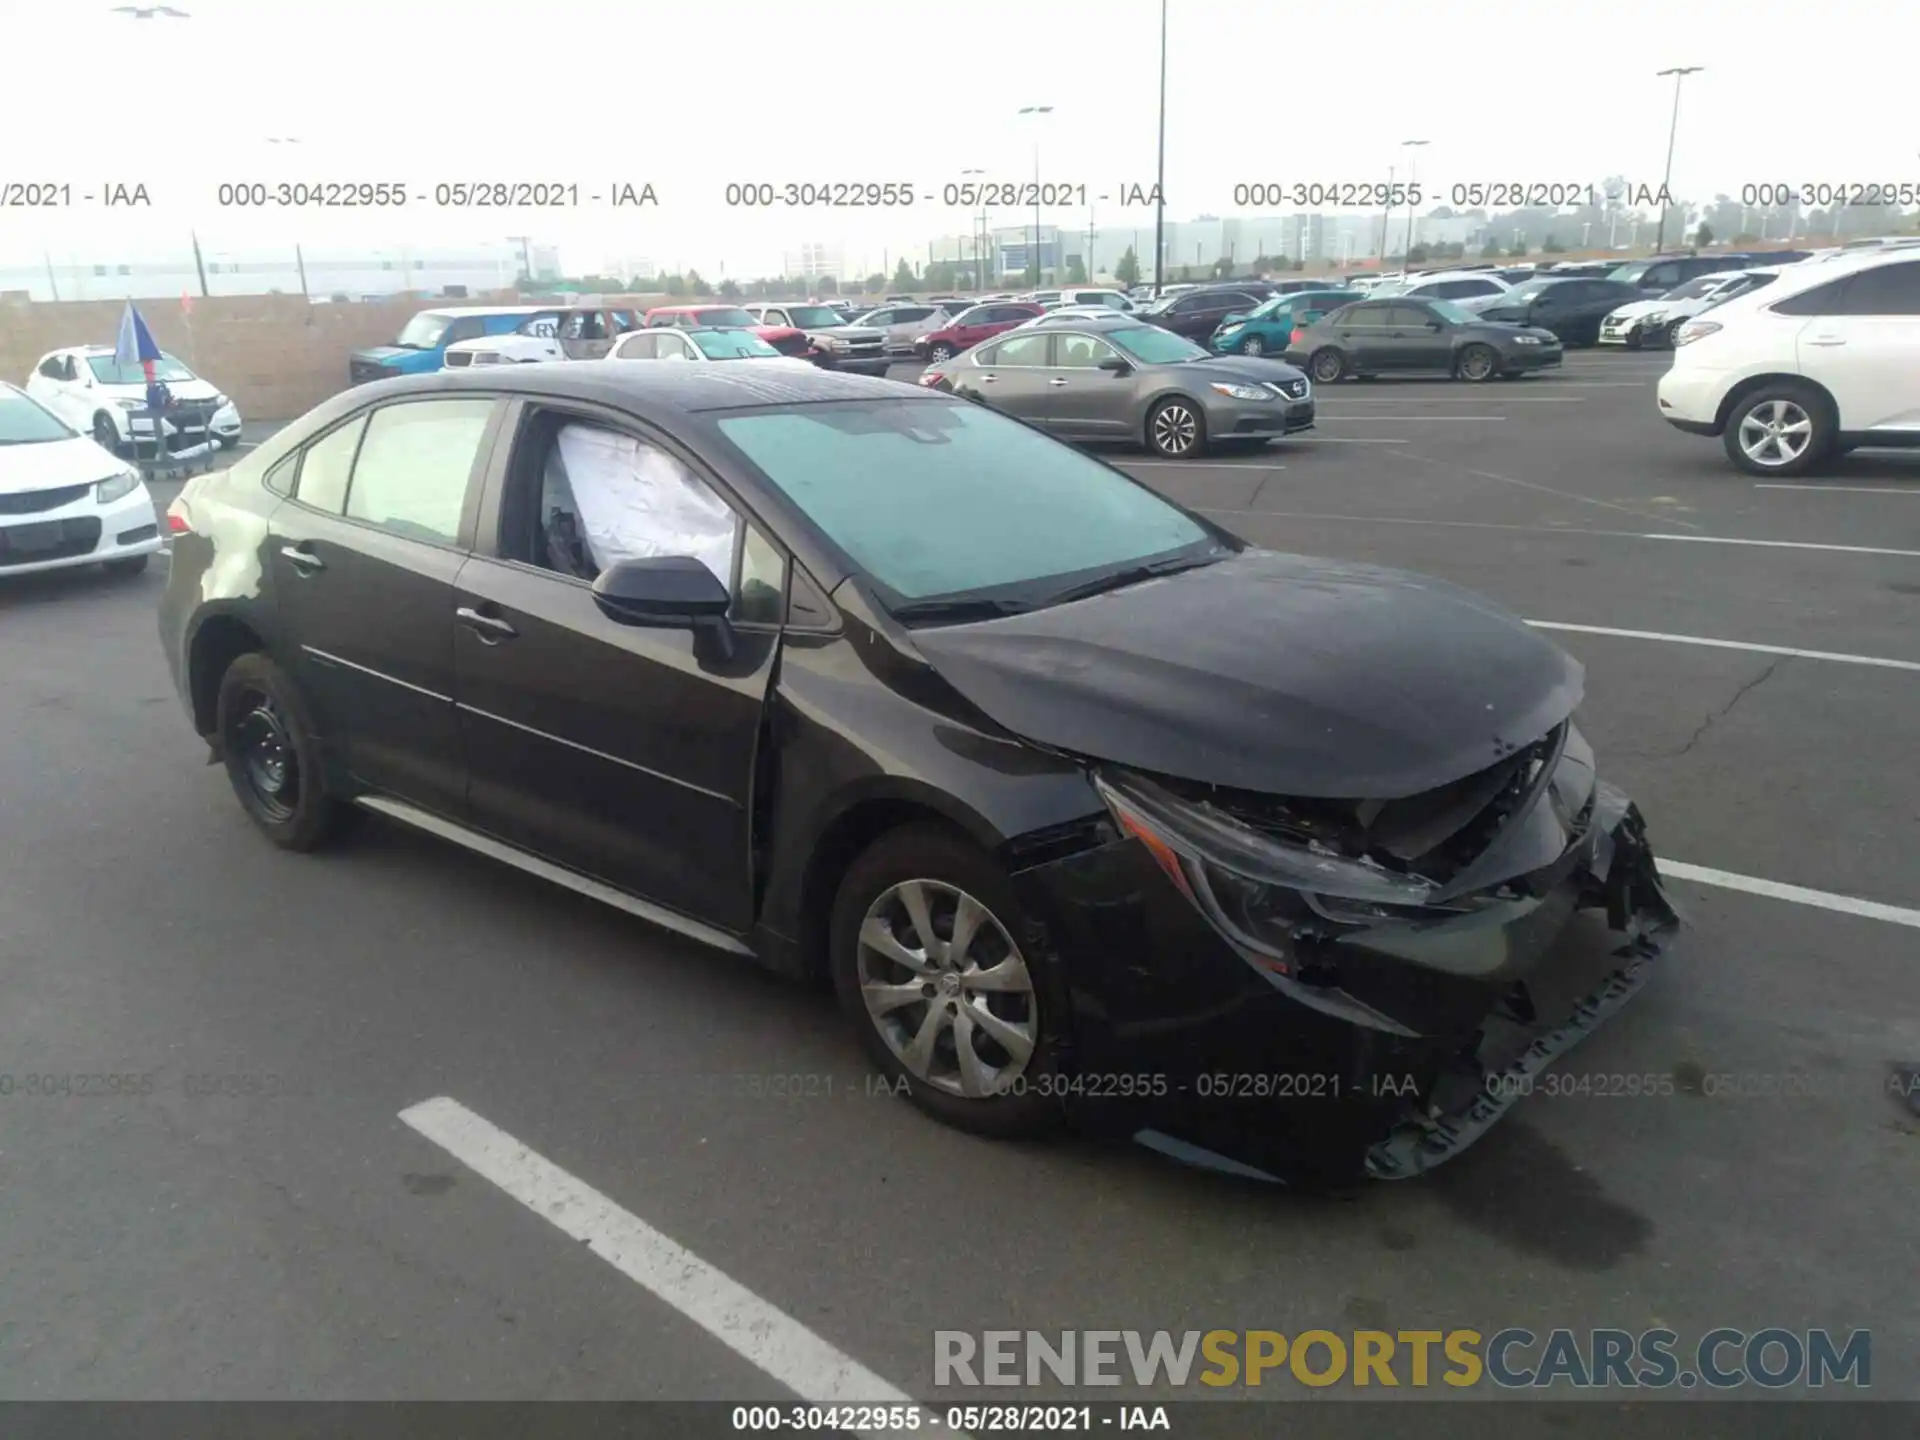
column 459, row 310
column 655, row 393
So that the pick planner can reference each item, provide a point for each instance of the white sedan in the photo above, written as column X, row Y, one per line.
column 64, row 501
column 86, row 388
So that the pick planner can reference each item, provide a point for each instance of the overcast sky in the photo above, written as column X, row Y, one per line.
column 691, row 96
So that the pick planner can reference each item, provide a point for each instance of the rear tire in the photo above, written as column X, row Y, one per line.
column 1328, row 366
column 128, row 566
column 1786, row 428
column 940, row 354
column 266, row 741
column 895, row 987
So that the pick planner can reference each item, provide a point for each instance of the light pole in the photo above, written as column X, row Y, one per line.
column 1036, row 110
column 979, row 240
column 1413, row 174
column 1160, row 171
column 1679, row 73
column 1386, row 217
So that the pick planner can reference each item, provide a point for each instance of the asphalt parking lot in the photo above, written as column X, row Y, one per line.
column 309, row 1243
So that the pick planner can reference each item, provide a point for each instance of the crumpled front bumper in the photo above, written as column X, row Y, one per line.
column 1620, row 877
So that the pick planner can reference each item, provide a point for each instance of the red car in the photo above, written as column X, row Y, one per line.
column 970, row 327
column 784, row 338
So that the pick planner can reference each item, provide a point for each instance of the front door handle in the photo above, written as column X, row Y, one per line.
column 988, row 379
column 1827, row 340
column 305, row 561
column 490, row 628
column 1056, row 381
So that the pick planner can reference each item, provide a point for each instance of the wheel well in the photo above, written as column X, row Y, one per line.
column 834, row 852
column 1759, row 382
column 217, row 644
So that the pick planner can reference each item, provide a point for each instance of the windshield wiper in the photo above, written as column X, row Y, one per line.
column 1132, row 575
column 959, row 611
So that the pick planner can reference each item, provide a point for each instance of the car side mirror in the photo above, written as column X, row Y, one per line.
column 1114, row 365
column 661, row 590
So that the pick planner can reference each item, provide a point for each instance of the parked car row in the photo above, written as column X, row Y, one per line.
column 89, row 390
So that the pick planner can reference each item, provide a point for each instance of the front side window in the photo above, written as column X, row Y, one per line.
column 424, row 331
column 1884, row 290
column 637, row 347
column 916, row 493
column 412, row 471
column 1079, row 352
column 324, row 467
column 606, row 496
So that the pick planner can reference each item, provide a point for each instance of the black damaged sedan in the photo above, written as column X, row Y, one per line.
column 1091, row 812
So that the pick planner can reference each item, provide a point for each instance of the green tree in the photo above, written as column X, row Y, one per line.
column 1517, row 249
column 675, row 286
column 637, row 286
column 1418, row 255
column 903, row 277
column 1703, row 236
column 1553, row 246
column 1490, row 250
column 876, row 284
column 696, row 286
column 828, row 285
column 1127, row 272
column 1076, row 270
column 729, row 290
column 1221, row 268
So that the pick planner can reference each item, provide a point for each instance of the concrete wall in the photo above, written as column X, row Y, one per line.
column 277, row 355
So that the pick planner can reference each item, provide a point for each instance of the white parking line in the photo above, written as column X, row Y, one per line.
column 1203, row 464
column 1798, row 895
column 1788, row 545
column 1842, row 489
column 756, row 1331
column 1833, row 655
column 1458, row 399
column 1423, row 419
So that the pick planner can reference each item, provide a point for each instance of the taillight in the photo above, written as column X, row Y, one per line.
column 177, row 522
column 931, row 377
column 1297, row 336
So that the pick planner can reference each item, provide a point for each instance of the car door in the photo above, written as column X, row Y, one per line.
column 1862, row 342
column 908, row 324
column 1013, row 374
column 364, row 556
column 1088, row 403
column 1361, row 331
column 623, row 752
column 1407, row 340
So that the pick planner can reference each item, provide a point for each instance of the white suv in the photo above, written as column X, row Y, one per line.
column 1824, row 360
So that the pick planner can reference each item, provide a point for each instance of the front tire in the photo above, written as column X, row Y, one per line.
column 930, row 972
column 104, row 433
column 266, row 741
column 1477, row 364
column 940, row 354
column 1177, row 430
column 1253, row 345
column 1780, row 429
column 1327, row 366
column 127, row 566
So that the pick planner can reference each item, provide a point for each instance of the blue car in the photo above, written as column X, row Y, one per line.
column 422, row 344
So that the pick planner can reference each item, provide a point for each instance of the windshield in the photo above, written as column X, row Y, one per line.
column 734, row 319
column 917, row 494
column 732, row 345
column 1154, row 346
column 1694, row 289
column 108, row 373
column 1741, row 287
column 1630, row 274
column 23, row 421
column 815, row 317
column 423, row 331
column 1452, row 313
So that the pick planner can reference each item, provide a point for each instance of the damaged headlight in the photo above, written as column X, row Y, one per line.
column 1250, row 884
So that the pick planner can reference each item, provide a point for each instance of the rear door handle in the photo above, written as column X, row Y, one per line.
column 1056, row 381
column 303, row 560
column 1827, row 340
column 490, row 628
column 988, row 379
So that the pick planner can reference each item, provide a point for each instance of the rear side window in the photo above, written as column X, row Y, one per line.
column 325, row 465
column 1022, row 350
column 1821, row 300
column 1885, row 290
column 412, row 472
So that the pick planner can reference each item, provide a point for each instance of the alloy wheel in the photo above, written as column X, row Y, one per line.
column 1477, row 363
column 1328, row 366
column 105, row 436
column 1253, row 345
column 947, row 988
column 1775, row 433
column 1175, row 429
column 261, row 742
column 940, row 353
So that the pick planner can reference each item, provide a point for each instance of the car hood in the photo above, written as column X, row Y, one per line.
column 1495, row 329
column 1247, row 369
column 1283, row 674
column 381, row 354
column 1639, row 309
column 852, row 334
column 195, row 389
column 54, row 464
